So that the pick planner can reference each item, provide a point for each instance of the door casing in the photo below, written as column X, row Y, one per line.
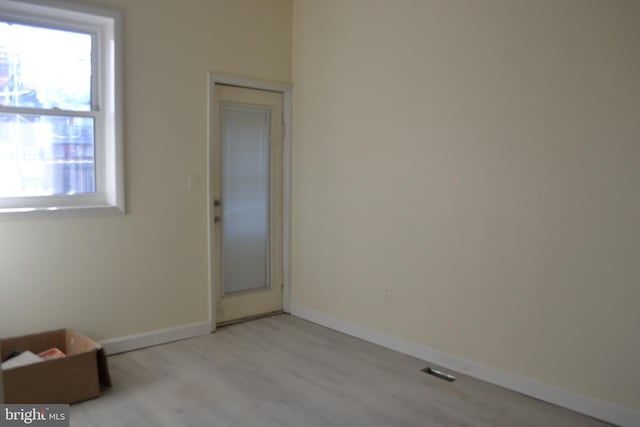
column 285, row 89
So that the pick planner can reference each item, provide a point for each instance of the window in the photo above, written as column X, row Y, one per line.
column 60, row 115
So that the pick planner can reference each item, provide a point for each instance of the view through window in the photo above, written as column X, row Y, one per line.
column 47, row 133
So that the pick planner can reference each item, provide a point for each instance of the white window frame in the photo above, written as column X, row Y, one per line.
column 105, row 25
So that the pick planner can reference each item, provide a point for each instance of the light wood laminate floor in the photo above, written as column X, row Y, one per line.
column 284, row 371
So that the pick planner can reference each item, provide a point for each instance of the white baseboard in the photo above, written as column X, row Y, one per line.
column 162, row 336
column 602, row 410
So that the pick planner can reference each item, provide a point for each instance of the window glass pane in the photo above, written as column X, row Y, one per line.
column 245, row 197
column 46, row 155
column 44, row 68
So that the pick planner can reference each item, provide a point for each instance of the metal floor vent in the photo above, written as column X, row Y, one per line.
column 439, row 374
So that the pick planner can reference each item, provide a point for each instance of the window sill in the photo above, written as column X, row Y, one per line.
column 63, row 211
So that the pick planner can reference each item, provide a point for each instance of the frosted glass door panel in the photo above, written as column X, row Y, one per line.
column 245, row 198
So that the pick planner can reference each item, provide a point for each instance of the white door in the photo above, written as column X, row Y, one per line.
column 247, row 193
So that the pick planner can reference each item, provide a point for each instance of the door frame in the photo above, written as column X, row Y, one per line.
column 286, row 90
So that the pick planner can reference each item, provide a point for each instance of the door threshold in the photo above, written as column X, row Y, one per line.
column 248, row 318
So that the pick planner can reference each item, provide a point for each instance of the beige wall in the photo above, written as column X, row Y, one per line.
column 480, row 159
column 114, row 276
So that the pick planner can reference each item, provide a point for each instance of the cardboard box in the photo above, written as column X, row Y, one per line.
column 69, row 379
